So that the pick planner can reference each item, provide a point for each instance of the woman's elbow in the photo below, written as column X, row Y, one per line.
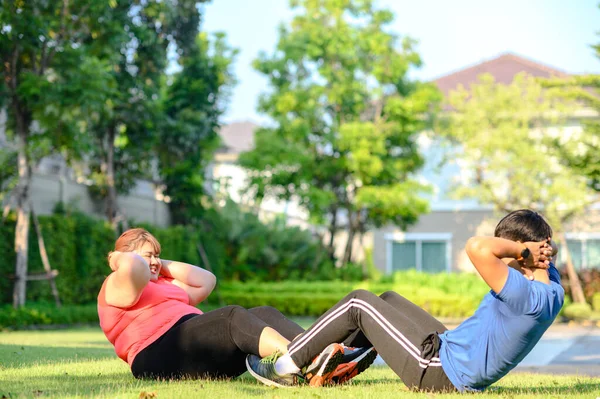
column 211, row 282
column 134, row 266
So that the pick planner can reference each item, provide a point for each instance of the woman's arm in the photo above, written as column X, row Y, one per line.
column 486, row 254
column 197, row 282
column 130, row 276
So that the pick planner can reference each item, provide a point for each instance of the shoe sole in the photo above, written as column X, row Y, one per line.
column 323, row 376
column 262, row 379
column 346, row 371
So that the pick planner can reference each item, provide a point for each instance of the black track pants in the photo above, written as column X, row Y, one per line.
column 213, row 344
column 405, row 336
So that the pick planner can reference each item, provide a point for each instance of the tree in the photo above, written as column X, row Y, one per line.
column 192, row 104
column 504, row 134
column 345, row 116
column 49, row 81
column 583, row 153
column 122, row 138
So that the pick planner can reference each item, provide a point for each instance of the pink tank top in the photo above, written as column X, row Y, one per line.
column 132, row 329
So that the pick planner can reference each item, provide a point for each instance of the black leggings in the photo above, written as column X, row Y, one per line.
column 211, row 345
column 405, row 336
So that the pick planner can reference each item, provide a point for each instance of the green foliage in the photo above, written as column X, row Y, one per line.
column 245, row 248
column 124, row 131
column 76, row 246
column 8, row 172
column 192, row 104
column 577, row 311
column 237, row 244
column 311, row 304
column 503, row 134
column 52, row 75
column 54, row 72
column 581, row 152
column 443, row 295
column 40, row 314
column 596, row 302
column 346, row 117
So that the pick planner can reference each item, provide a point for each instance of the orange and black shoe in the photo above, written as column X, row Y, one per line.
column 320, row 371
column 354, row 362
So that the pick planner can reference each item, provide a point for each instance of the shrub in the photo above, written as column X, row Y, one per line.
column 577, row 311
column 596, row 302
column 242, row 247
column 237, row 244
column 46, row 314
column 454, row 295
column 589, row 278
column 315, row 304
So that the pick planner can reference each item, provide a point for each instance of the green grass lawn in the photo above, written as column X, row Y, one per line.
column 81, row 363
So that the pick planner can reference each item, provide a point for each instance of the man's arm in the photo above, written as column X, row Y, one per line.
column 486, row 254
column 195, row 281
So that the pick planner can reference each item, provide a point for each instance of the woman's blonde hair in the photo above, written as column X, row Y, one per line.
column 133, row 239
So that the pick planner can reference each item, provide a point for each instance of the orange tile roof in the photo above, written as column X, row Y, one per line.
column 503, row 68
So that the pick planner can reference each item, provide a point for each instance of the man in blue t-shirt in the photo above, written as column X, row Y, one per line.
column 524, row 300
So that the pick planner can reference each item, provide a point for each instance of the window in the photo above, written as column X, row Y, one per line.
column 584, row 249
column 404, row 255
column 427, row 252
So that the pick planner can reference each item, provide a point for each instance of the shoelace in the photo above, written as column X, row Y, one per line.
column 271, row 359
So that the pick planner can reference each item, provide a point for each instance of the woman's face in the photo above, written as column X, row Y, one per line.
column 146, row 251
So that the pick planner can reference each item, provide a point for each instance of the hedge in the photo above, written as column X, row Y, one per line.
column 40, row 314
column 447, row 295
column 310, row 304
column 291, row 304
column 237, row 244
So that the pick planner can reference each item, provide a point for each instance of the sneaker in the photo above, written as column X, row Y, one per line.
column 264, row 371
column 354, row 362
column 320, row 371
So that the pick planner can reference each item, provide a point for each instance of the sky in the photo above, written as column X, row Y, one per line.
column 451, row 35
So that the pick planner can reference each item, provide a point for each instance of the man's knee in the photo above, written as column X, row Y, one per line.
column 362, row 294
column 387, row 295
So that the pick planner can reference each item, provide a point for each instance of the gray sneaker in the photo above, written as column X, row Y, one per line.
column 264, row 371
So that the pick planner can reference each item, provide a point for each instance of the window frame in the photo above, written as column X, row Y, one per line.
column 583, row 238
column 418, row 239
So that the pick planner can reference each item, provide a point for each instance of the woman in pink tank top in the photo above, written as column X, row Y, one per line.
column 147, row 310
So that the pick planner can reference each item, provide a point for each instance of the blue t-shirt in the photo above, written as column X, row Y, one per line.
column 503, row 330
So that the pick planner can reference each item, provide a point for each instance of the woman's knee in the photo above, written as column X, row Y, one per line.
column 266, row 310
column 233, row 310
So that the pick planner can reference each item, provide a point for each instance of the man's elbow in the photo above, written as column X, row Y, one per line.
column 474, row 246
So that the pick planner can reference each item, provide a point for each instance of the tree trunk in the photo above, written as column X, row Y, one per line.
column 332, row 231
column 44, row 255
column 574, row 283
column 22, row 208
column 111, row 195
column 350, row 243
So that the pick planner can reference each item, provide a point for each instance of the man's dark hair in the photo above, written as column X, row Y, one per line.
column 523, row 225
